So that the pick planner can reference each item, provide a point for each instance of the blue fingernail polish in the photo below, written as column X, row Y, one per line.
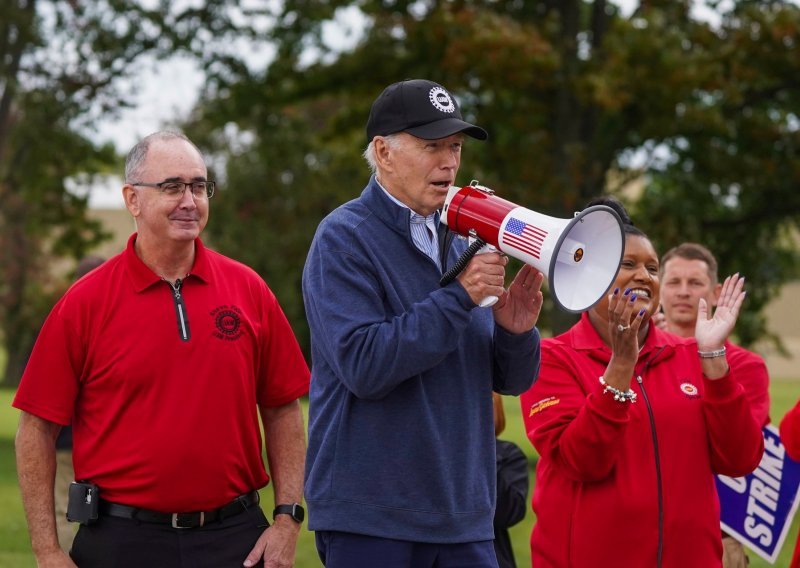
column 616, row 291
column 627, row 291
column 641, row 312
column 633, row 298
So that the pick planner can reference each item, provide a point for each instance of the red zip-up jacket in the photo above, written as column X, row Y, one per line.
column 631, row 484
column 790, row 436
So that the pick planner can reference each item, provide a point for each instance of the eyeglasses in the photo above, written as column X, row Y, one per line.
column 175, row 189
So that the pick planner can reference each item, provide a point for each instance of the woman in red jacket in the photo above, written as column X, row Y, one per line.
column 631, row 423
column 790, row 436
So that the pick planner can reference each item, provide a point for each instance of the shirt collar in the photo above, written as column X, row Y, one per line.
column 143, row 277
column 431, row 220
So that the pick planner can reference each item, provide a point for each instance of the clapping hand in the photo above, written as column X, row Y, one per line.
column 711, row 331
column 659, row 320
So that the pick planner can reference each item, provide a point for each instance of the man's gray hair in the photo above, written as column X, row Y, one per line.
column 137, row 155
column 392, row 140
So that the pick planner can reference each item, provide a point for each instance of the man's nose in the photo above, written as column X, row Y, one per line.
column 450, row 159
column 187, row 198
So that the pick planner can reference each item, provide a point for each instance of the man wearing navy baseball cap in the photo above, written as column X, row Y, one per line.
column 400, row 470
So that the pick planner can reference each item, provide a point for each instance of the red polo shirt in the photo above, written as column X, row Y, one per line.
column 165, row 419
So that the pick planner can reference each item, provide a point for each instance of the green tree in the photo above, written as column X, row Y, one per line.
column 63, row 65
column 734, row 156
column 569, row 92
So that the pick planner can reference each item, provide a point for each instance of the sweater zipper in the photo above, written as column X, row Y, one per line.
column 180, row 309
column 659, row 484
column 446, row 237
column 658, row 471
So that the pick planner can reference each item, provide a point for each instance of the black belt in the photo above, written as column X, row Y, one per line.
column 180, row 520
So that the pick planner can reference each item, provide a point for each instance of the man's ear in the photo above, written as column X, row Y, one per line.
column 383, row 153
column 717, row 290
column 131, row 199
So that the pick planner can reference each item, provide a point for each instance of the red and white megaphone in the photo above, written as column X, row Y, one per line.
column 579, row 256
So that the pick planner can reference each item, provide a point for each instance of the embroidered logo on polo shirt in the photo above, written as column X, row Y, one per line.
column 228, row 321
column 542, row 404
column 690, row 390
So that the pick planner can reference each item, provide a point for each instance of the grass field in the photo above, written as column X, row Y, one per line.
column 15, row 547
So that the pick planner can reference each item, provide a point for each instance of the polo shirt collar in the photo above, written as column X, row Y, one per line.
column 142, row 277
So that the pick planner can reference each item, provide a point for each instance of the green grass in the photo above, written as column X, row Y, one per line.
column 15, row 546
column 15, row 550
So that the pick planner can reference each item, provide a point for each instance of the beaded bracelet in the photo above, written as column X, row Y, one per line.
column 712, row 354
column 626, row 396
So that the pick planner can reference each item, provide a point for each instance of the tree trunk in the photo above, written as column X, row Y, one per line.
column 15, row 257
column 15, row 364
column 566, row 127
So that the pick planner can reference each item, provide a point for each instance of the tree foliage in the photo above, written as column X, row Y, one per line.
column 734, row 155
column 63, row 65
column 578, row 100
column 573, row 93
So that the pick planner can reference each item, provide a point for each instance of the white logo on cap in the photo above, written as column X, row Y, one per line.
column 441, row 100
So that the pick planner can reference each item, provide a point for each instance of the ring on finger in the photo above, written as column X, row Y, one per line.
column 621, row 327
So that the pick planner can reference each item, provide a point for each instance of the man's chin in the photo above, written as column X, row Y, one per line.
column 185, row 233
column 684, row 318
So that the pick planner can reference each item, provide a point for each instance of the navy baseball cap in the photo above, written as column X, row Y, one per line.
column 422, row 108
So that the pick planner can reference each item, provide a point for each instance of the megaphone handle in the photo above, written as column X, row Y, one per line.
column 488, row 301
column 462, row 262
column 476, row 246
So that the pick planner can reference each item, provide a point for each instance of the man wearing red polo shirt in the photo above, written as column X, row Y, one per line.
column 688, row 273
column 162, row 360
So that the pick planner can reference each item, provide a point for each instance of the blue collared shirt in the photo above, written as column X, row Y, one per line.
column 423, row 229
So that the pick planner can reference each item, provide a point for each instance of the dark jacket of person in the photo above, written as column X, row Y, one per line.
column 512, row 498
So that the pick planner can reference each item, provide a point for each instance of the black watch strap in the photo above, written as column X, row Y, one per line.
column 295, row 510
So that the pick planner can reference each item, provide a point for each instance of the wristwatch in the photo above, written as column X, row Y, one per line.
column 295, row 510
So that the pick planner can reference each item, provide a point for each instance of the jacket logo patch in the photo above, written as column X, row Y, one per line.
column 690, row 390
column 542, row 404
column 228, row 322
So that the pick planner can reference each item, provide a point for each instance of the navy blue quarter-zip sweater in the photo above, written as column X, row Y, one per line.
column 401, row 435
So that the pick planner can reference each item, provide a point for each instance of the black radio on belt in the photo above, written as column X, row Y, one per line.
column 83, row 501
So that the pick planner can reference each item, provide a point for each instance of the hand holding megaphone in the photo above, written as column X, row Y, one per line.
column 579, row 256
column 484, row 277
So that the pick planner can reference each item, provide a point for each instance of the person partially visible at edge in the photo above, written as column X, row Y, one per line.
column 790, row 436
column 512, row 488
column 631, row 423
column 162, row 359
column 400, row 470
column 64, row 472
column 688, row 273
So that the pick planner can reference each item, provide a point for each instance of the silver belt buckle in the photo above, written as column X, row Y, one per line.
column 177, row 516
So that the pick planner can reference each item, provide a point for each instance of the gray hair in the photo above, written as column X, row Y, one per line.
column 137, row 155
column 392, row 140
